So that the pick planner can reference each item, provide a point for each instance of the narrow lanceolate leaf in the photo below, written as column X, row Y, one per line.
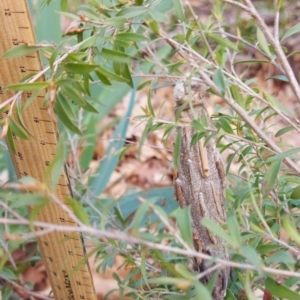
column 73, row 95
column 17, row 129
column 117, row 22
column 252, row 256
column 179, row 10
column 283, row 155
column 110, row 75
column 78, row 68
column 291, row 31
column 223, row 42
column 248, row 290
column 56, row 166
column 177, row 149
column 79, row 211
column 290, row 229
column 280, row 290
column 64, row 5
column 201, row 291
column 219, row 80
column 252, row 61
column 19, row 51
column 28, row 86
column 295, row 195
column 214, row 228
column 130, row 37
column 10, row 140
column 270, row 177
column 233, row 227
column 184, row 222
column 283, row 131
column 131, row 12
column 115, row 55
column 263, row 42
column 63, row 116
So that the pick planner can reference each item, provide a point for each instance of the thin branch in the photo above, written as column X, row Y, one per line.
column 277, row 47
column 30, row 293
column 121, row 236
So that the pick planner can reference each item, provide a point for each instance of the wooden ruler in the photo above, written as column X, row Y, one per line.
column 62, row 252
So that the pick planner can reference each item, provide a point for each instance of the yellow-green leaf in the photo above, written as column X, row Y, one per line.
column 270, row 177
column 28, row 86
column 79, row 211
column 280, row 290
column 263, row 42
column 19, row 50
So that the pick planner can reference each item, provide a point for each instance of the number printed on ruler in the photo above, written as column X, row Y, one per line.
column 63, row 253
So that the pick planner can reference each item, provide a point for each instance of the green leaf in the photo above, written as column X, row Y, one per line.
column 56, row 167
column 125, row 73
column 89, row 42
column 229, row 295
column 89, row 107
column 283, row 131
column 8, row 273
column 168, row 280
column 295, row 195
column 17, row 129
column 291, row 31
column 252, row 61
column 184, row 272
column 280, row 290
column 73, row 95
column 115, row 55
column 225, row 125
column 237, row 95
column 263, row 42
column 64, row 5
column 68, row 15
column 270, row 177
column 131, row 12
column 282, row 155
column 149, row 103
column 102, row 78
column 281, row 256
column 19, row 50
column 111, row 75
column 219, row 80
column 130, row 37
column 252, row 256
column 79, row 211
column 177, row 149
column 249, row 292
column 56, row 52
column 234, row 229
column 201, row 292
column 184, row 221
column 154, row 26
column 198, row 126
column 265, row 248
column 10, row 140
column 214, row 228
column 117, row 22
column 223, row 41
column 64, row 118
column 279, row 77
column 179, row 11
column 290, row 229
column 67, row 106
column 79, row 68
column 28, row 86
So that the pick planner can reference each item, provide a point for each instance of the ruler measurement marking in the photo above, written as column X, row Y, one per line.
column 14, row 28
